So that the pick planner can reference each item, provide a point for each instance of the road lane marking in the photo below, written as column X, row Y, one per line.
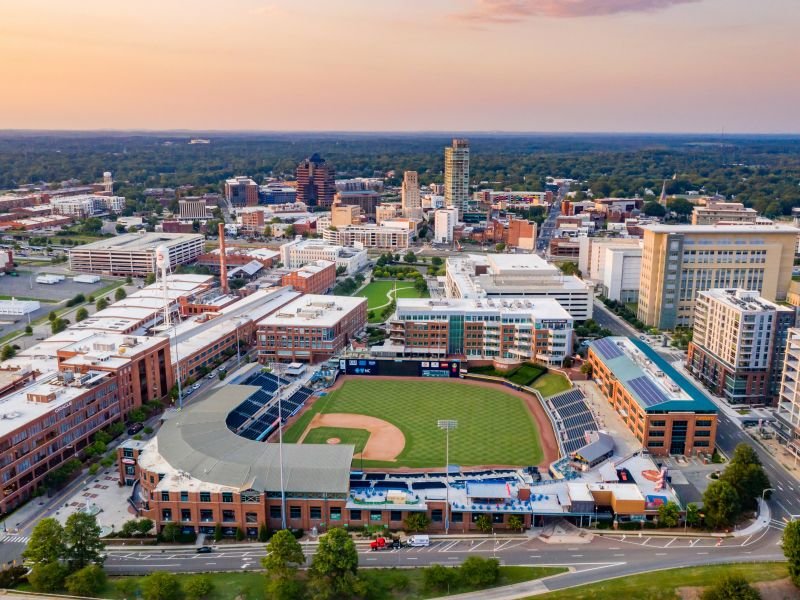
column 661, row 553
column 535, row 556
column 619, row 555
column 702, row 552
column 577, row 556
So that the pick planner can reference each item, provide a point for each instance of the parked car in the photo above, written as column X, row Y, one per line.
column 205, row 550
column 135, row 428
column 419, row 540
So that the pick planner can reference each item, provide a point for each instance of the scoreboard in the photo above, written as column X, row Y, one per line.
column 400, row 368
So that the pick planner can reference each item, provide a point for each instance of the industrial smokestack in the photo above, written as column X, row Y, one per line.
column 223, row 260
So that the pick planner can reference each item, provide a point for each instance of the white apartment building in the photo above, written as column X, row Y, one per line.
column 788, row 413
column 592, row 255
column 192, row 209
column 300, row 252
column 386, row 235
column 621, row 272
column 86, row 205
column 513, row 276
column 729, row 212
column 410, row 200
column 134, row 254
column 521, row 329
column 456, row 175
column 444, row 221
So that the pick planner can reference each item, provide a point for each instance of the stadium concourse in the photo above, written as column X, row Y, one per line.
column 207, row 466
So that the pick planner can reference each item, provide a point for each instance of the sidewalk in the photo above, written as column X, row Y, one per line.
column 761, row 522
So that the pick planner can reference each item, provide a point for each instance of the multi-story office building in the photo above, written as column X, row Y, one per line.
column 592, row 254
column 729, row 212
column 367, row 201
column 522, row 330
column 300, row 252
column 507, row 276
column 665, row 412
column 314, row 278
column 390, row 234
column 192, row 209
column 134, row 254
column 316, row 182
column 444, row 222
column 738, row 344
column 410, row 200
column 456, row 175
column 311, row 328
column 343, row 215
column 252, row 221
column 241, row 191
column 679, row 261
column 621, row 273
column 386, row 211
column 788, row 413
column 277, row 193
column 521, row 234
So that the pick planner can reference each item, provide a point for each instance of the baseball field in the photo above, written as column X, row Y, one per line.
column 393, row 422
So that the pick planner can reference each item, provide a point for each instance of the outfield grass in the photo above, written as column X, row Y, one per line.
column 321, row 435
column 551, row 383
column 493, row 427
column 375, row 292
column 662, row 585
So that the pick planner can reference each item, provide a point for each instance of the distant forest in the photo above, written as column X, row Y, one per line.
column 761, row 171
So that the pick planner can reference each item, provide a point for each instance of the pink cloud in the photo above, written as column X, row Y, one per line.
column 511, row 11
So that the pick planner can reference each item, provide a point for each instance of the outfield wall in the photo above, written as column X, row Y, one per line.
column 400, row 368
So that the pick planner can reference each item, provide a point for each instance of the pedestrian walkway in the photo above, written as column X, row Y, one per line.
column 764, row 520
column 18, row 539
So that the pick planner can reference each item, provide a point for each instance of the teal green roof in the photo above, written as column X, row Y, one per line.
column 626, row 370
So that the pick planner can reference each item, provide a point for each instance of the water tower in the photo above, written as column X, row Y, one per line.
column 108, row 182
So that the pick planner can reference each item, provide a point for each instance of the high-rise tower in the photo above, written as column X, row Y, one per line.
column 456, row 175
column 410, row 200
column 316, row 182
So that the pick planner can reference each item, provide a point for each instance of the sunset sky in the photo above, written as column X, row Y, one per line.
column 410, row 65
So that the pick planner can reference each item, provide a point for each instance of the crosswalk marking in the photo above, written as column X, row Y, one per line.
column 19, row 539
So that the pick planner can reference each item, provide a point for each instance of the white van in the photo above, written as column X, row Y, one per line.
column 419, row 540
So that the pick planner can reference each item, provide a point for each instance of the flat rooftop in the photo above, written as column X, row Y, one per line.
column 135, row 242
column 651, row 381
column 744, row 300
column 724, row 229
column 539, row 308
column 314, row 310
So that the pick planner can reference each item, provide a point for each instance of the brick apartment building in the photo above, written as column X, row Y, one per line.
column 314, row 278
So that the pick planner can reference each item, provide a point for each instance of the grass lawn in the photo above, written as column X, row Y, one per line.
column 662, row 585
column 551, row 383
column 493, row 427
column 526, row 374
column 375, row 292
column 250, row 585
column 321, row 435
column 26, row 298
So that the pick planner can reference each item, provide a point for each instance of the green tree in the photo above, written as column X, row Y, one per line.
column 500, row 247
column 198, row 587
column 681, row 207
column 170, row 532
column 8, row 352
column 653, row 209
column 88, row 581
column 161, row 585
column 120, row 294
column 48, row 577
column 416, row 521
column 150, row 279
column 791, row 549
column 484, row 523
column 28, row 330
column 746, row 475
column 478, row 572
column 47, row 542
column 129, row 280
column 268, row 231
column 515, row 523
column 58, row 325
column 335, row 564
column 692, row 515
column 731, row 587
column 289, row 231
column 263, row 533
column 410, row 257
column 669, row 515
column 127, row 587
column 284, row 554
column 720, row 504
column 218, row 532
column 81, row 314
column 92, row 226
column 51, row 316
column 438, row 578
column 82, row 537
column 570, row 268
column 101, row 304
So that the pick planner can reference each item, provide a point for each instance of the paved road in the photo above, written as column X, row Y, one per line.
column 549, row 224
column 605, row 556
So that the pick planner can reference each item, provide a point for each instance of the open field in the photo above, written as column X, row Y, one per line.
column 321, row 435
column 551, row 383
column 663, row 585
column 525, row 374
column 379, row 293
column 495, row 427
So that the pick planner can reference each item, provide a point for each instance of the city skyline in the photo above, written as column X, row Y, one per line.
column 673, row 66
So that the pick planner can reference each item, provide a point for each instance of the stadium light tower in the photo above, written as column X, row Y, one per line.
column 447, row 425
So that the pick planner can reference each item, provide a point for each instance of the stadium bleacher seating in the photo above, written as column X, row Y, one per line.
column 573, row 418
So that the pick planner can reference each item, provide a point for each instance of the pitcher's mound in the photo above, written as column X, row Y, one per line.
column 333, row 441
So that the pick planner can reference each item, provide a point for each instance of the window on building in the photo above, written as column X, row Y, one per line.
column 655, row 444
column 703, row 423
column 184, row 496
column 251, row 517
column 206, row 515
column 166, row 514
column 205, row 496
column 295, row 512
column 497, row 518
column 228, row 516
column 127, row 453
column 702, row 433
column 457, row 517
column 186, row 514
column 336, row 513
column 436, row 515
column 227, row 497
column 658, row 423
column 656, row 433
column 250, row 496
column 355, row 515
column 165, row 496
column 316, row 512
column 701, row 444
column 376, row 515
column 396, row 515
column 274, row 512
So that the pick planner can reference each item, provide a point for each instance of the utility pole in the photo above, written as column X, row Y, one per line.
column 447, row 425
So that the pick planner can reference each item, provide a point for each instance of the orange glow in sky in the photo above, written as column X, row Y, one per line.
column 513, row 65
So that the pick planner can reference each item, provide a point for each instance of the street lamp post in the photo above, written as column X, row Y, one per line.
column 447, row 425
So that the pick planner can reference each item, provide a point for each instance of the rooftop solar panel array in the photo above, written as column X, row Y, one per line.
column 608, row 348
column 647, row 391
column 573, row 418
